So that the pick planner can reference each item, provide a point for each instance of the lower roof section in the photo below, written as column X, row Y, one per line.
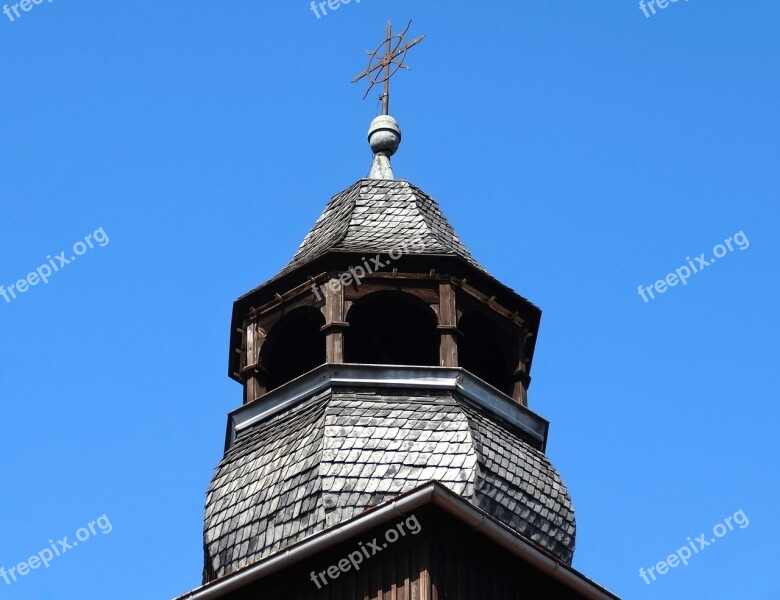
column 346, row 438
column 491, row 554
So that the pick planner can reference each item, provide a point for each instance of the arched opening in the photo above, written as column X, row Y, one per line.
column 295, row 345
column 485, row 350
column 392, row 328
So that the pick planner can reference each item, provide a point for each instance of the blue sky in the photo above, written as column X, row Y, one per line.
column 580, row 149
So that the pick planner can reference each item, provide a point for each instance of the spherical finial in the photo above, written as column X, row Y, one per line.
column 384, row 135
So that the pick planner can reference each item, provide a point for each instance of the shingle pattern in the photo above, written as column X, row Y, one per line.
column 377, row 447
column 518, row 485
column 266, row 492
column 338, row 453
column 377, row 216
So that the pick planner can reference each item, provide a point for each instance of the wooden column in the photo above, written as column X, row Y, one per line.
column 521, row 376
column 426, row 587
column 334, row 322
column 448, row 330
column 254, row 374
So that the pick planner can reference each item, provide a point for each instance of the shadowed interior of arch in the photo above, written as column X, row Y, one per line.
column 392, row 328
column 484, row 351
column 295, row 345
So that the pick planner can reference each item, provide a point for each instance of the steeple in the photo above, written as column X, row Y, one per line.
column 385, row 371
column 384, row 234
column 383, row 295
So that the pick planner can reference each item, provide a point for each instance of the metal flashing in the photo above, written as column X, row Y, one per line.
column 452, row 379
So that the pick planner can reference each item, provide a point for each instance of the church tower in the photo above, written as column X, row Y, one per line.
column 385, row 448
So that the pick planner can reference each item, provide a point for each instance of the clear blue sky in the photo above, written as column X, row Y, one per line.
column 579, row 148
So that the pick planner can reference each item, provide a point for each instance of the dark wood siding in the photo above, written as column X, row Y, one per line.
column 444, row 561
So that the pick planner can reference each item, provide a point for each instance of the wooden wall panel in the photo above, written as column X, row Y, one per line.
column 445, row 561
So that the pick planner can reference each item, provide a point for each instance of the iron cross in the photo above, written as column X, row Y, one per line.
column 388, row 63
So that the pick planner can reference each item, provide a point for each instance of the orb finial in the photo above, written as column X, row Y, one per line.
column 384, row 137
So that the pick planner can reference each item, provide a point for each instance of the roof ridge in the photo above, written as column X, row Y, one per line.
column 423, row 197
column 347, row 196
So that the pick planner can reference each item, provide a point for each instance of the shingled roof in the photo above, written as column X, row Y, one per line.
column 379, row 216
column 340, row 452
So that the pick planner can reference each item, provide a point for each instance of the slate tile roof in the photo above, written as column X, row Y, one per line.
column 266, row 492
column 377, row 216
column 379, row 446
column 518, row 485
column 340, row 452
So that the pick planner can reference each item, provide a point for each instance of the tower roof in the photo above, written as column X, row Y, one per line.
column 378, row 216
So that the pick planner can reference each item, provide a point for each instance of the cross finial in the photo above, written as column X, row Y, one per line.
column 381, row 68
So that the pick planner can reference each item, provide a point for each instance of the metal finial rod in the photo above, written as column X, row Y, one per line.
column 388, row 51
column 380, row 66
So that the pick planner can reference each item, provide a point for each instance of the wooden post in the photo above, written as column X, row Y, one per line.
column 425, row 584
column 448, row 330
column 521, row 376
column 334, row 322
column 254, row 374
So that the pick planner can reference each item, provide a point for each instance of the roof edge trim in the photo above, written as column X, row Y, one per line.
column 454, row 379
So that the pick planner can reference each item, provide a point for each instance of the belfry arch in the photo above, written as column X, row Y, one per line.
column 485, row 349
column 393, row 328
column 294, row 346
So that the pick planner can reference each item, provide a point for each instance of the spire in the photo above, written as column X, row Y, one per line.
column 384, row 135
